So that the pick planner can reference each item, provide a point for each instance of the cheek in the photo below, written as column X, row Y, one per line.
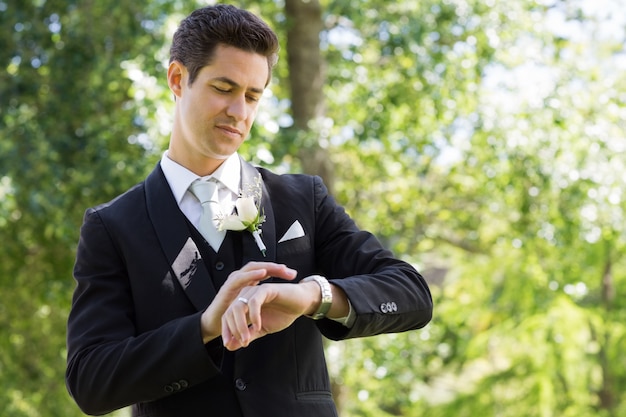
column 250, row 120
column 201, row 106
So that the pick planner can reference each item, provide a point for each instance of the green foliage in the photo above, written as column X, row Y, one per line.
column 70, row 134
column 497, row 157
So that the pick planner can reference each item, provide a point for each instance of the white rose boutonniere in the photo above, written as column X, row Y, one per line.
column 248, row 213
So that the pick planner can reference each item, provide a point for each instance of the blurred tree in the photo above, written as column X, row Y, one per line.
column 306, row 81
column 491, row 147
column 71, row 136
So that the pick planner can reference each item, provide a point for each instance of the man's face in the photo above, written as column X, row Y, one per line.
column 214, row 115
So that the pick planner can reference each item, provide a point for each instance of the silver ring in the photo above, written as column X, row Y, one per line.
column 243, row 300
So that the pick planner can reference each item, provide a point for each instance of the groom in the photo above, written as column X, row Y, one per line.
column 177, row 316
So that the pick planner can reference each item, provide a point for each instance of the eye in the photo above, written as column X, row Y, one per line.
column 221, row 90
column 252, row 99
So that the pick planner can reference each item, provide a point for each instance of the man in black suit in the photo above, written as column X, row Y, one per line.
column 179, row 311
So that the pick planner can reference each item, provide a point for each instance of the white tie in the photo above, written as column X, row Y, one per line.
column 206, row 192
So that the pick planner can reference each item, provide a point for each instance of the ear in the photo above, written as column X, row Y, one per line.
column 175, row 75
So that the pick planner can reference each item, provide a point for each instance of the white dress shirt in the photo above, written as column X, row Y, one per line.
column 180, row 178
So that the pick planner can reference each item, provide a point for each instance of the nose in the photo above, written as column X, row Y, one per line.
column 238, row 108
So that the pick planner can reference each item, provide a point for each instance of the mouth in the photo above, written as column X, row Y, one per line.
column 230, row 130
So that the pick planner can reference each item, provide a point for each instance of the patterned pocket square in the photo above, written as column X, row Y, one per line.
column 295, row 231
column 186, row 263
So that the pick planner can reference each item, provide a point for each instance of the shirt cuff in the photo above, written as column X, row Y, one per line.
column 348, row 320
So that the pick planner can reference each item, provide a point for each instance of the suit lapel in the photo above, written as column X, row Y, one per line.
column 178, row 246
column 251, row 251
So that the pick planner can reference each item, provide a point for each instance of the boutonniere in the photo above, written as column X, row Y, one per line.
column 248, row 213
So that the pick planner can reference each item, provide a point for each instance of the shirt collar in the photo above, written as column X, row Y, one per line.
column 180, row 178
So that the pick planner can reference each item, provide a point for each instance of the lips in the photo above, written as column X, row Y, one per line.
column 230, row 129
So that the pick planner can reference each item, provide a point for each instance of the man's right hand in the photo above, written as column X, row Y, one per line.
column 248, row 276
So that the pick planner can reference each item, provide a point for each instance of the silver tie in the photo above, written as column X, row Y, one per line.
column 206, row 193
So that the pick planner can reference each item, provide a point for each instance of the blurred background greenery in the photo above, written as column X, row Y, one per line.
column 484, row 141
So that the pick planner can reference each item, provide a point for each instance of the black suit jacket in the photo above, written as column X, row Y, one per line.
column 134, row 327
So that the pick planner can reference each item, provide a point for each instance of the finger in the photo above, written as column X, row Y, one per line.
column 239, row 323
column 235, row 320
column 238, row 281
column 254, row 311
column 255, row 272
column 231, row 342
column 272, row 269
column 228, row 340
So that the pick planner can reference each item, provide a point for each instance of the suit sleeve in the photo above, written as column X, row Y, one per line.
column 388, row 295
column 110, row 365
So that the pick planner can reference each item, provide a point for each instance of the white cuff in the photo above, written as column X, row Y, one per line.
column 348, row 320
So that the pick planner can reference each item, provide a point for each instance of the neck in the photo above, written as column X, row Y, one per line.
column 200, row 165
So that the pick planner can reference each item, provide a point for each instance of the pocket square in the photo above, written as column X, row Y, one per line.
column 186, row 263
column 295, row 231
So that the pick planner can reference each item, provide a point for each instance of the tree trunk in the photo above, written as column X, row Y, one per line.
column 608, row 395
column 306, row 79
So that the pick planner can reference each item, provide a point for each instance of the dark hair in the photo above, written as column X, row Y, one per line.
column 199, row 34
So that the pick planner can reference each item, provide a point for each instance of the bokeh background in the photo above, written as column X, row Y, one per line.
column 484, row 141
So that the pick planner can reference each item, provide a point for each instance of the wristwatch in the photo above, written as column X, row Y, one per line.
column 327, row 296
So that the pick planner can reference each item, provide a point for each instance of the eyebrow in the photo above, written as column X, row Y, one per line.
column 236, row 85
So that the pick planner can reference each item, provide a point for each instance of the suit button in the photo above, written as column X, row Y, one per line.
column 240, row 384
column 169, row 389
column 219, row 265
column 183, row 383
column 383, row 308
column 176, row 386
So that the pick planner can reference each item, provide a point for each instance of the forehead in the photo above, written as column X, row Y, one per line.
column 246, row 69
